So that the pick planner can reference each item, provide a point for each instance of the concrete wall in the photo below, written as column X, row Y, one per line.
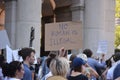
column 98, row 22
column 97, row 17
column 21, row 15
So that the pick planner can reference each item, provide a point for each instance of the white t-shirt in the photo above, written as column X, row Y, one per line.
column 13, row 79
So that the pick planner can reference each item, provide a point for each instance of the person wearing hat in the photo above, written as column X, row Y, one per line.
column 78, row 69
column 89, row 71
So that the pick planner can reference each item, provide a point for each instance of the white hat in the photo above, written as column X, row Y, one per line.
column 83, row 56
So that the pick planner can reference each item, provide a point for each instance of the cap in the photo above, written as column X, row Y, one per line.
column 83, row 56
column 77, row 62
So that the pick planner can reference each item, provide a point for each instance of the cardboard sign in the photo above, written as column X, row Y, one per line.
column 4, row 39
column 63, row 34
column 102, row 47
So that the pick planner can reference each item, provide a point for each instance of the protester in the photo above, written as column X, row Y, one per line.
column 37, row 65
column 89, row 71
column 14, row 70
column 78, row 69
column 28, row 55
column 59, row 67
column 51, row 56
column 116, row 58
column 56, row 78
column 94, row 63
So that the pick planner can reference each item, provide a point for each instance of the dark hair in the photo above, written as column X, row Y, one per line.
column 24, row 52
column 117, row 50
column 10, row 69
column 88, row 52
column 49, row 59
column 78, row 69
column 116, row 56
column 2, row 59
column 72, row 57
column 108, row 63
column 5, row 69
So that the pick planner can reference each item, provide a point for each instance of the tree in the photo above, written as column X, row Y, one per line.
column 117, row 9
column 117, row 31
column 117, row 36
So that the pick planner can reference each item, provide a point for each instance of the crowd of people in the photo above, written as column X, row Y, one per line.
column 57, row 66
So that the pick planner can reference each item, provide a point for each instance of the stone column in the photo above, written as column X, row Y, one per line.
column 28, row 15
column 99, row 24
column 10, row 21
column 77, row 9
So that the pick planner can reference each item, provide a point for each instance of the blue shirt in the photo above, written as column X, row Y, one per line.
column 96, row 66
column 27, row 74
column 116, row 73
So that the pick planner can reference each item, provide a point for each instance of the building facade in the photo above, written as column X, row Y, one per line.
column 97, row 17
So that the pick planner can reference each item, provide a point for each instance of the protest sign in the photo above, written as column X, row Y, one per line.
column 63, row 34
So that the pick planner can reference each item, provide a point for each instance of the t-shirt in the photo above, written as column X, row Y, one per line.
column 78, row 77
column 116, row 72
column 13, row 79
column 27, row 74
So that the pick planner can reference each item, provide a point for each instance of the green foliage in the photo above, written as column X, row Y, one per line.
column 117, row 31
column 117, row 36
column 117, row 9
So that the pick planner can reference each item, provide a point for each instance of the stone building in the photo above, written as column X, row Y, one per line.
column 97, row 17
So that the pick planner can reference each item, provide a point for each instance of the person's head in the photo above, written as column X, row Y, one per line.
column 38, row 60
column 59, row 66
column 48, row 61
column 14, row 69
column 5, row 69
column 116, row 56
column 71, row 59
column 78, row 64
column 88, row 52
column 53, row 54
column 28, row 54
column 117, row 50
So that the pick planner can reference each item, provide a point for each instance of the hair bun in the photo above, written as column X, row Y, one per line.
column 20, row 53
